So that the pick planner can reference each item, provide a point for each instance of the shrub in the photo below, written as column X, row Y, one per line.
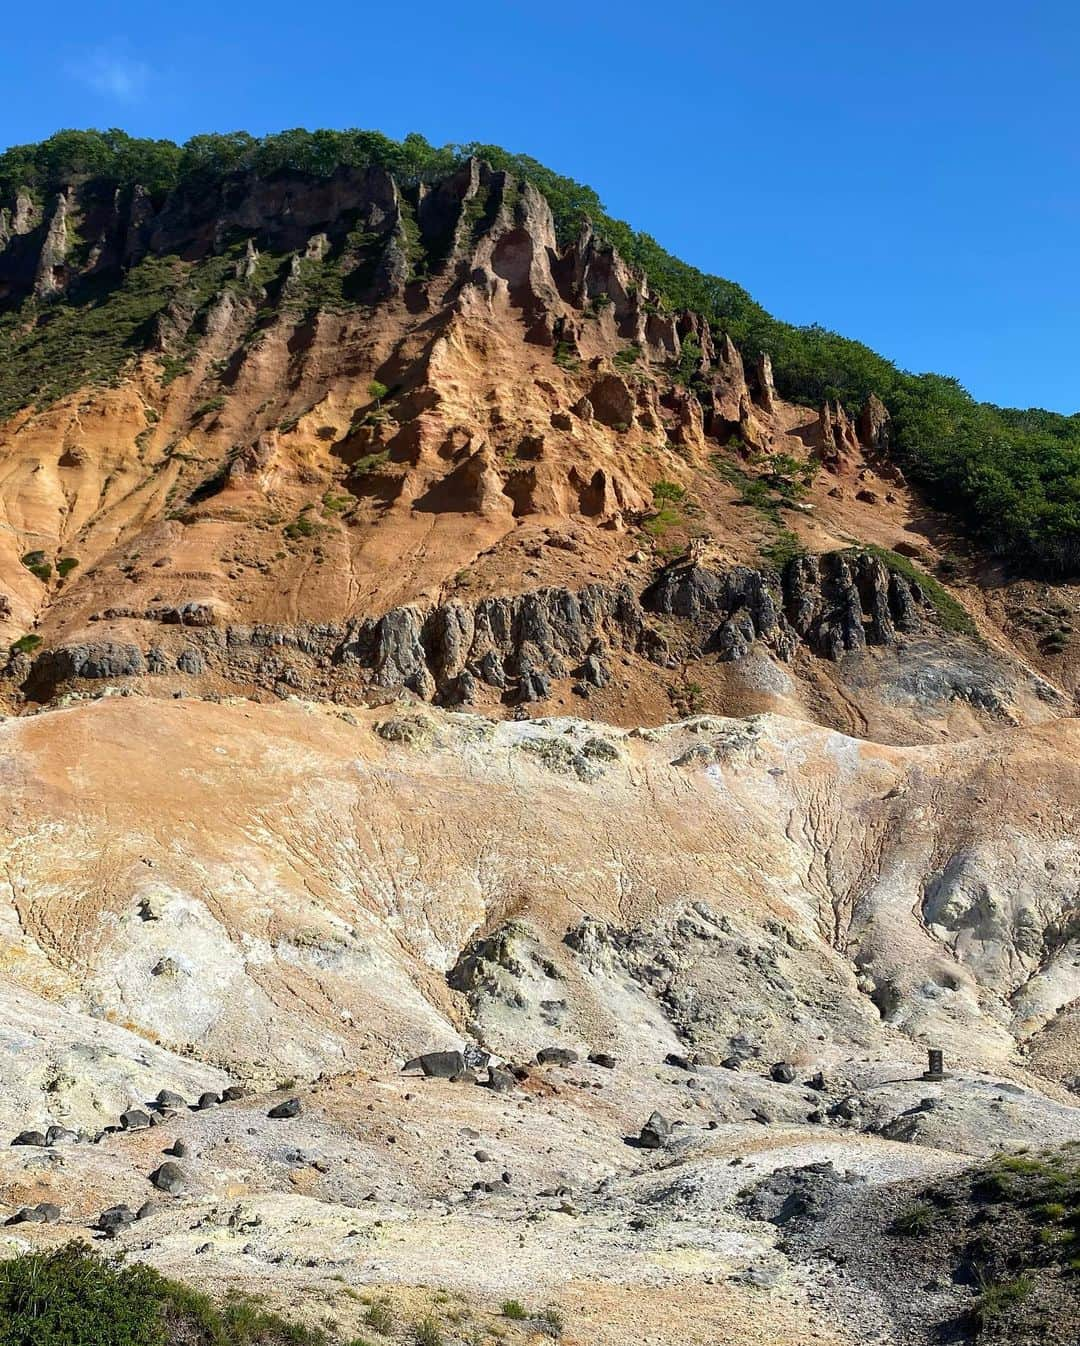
column 551, row 1322
column 72, row 1296
column 427, row 1332
column 37, row 565
column 380, row 1317
column 66, row 565
column 997, row 1297
column 565, row 357
column 25, row 644
column 304, row 526
column 783, row 549
column 917, row 1220
column 513, row 1308
column 208, row 408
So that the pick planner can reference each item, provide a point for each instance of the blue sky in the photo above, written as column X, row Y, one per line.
column 905, row 173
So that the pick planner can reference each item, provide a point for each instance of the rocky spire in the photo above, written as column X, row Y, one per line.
column 875, row 426
column 764, row 388
column 50, row 276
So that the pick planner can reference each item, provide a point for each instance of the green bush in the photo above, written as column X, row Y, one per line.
column 25, row 644
column 917, row 1220
column 208, row 408
column 427, row 1332
column 380, row 1317
column 784, row 548
column 66, row 565
column 513, row 1308
column 996, row 1298
column 75, row 1297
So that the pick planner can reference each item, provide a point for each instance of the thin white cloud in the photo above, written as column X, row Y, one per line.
column 114, row 74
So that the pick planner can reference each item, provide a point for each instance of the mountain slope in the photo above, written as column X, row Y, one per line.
column 432, row 628
column 336, row 414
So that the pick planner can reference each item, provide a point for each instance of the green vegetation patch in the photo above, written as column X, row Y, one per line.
column 25, row 645
column 74, row 1297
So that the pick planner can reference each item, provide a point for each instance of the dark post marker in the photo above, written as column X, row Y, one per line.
column 937, row 1065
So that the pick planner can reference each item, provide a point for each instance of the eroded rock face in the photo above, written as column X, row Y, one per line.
column 520, row 645
column 516, row 644
column 836, row 604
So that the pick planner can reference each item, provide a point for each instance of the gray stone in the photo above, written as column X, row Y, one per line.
column 116, row 1217
column 170, row 1178
column 556, row 1056
column 134, row 1119
column 441, row 1065
column 290, row 1108
column 655, row 1133
column 30, row 1138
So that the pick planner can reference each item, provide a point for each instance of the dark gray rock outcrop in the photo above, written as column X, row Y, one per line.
column 520, row 645
column 515, row 644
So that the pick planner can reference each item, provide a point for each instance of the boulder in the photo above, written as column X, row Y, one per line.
column 30, row 1138
column 556, row 1056
column 783, row 1072
column 170, row 1178
column 234, row 1093
column 655, row 1133
column 60, row 1135
column 602, row 1059
column 502, row 1081
column 168, row 1099
column 115, row 1218
column 679, row 1062
column 290, row 1108
column 208, row 1100
column 440, row 1065
column 134, row 1119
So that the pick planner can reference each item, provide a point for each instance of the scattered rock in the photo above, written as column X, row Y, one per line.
column 134, row 1119
column 557, row 1056
column 679, row 1062
column 655, row 1133
column 602, row 1059
column 439, row 1065
column 783, row 1072
column 290, row 1108
column 30, row 1138
column 170, row 1178
column 115, row 1218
